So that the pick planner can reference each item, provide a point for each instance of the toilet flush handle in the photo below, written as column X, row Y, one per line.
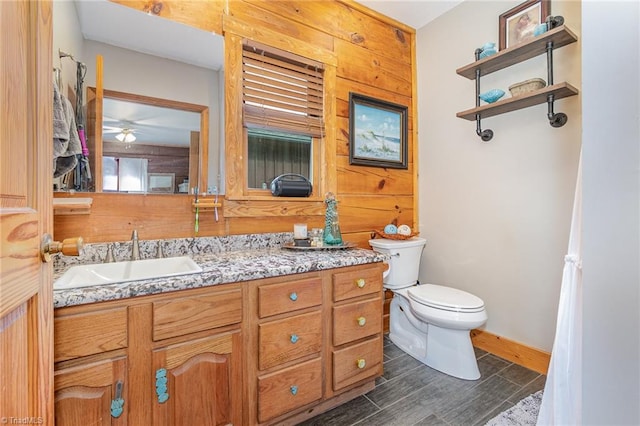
column 388, row 271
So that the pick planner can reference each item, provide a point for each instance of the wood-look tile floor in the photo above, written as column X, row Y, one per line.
column 410, row 393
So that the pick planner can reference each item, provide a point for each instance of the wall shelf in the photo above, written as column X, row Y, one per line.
column 559, row 91
column 545, row 43
column 560, row 37
column 72, row 206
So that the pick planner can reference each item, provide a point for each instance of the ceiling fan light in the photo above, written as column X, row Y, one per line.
column 126, row 137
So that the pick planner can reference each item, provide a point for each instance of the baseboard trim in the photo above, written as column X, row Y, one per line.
column 526, row 356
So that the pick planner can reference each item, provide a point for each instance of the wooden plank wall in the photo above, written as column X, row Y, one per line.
column 375, row 58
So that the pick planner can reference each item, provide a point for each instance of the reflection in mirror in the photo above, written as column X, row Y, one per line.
column 150, row 144
column 148, row 56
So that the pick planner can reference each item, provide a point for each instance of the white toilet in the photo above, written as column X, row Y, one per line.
column 429, row 322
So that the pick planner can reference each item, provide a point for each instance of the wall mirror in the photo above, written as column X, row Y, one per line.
column 148, row 142
column 159, row 77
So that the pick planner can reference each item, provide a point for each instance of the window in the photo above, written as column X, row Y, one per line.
column 282, row 96
column 124, row 174
column 271, row 154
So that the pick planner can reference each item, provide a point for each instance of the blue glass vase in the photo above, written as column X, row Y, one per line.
column 332, row 235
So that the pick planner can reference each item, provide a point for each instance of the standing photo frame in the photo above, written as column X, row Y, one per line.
column 377, row 132
column 517, row 25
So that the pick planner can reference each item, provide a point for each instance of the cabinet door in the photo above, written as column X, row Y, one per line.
column 199, row 382
column 92, row 394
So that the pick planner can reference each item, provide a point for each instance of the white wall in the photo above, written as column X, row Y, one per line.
column 69, row 41
column 611, row 235
column 496, row 215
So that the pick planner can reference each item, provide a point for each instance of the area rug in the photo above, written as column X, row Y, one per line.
column 523, row 413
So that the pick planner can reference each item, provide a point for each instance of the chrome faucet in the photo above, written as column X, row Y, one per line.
column 109, row 258
column 160, row 253
column 135, row 246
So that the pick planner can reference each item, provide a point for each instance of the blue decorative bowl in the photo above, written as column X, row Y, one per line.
column 492, row 95
column 488, row 49
column 540, row 29
column 487, row 52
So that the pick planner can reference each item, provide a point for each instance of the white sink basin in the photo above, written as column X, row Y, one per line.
column 132, row 270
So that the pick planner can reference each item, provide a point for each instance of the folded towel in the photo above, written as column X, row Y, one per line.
column 66, row 142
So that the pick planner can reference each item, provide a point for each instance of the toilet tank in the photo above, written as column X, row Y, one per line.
column 404, row 261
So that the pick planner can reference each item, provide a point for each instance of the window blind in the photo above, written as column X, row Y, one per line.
column 281, row 91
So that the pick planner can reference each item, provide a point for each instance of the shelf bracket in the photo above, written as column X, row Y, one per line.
column 556, row 119
column 487, row 134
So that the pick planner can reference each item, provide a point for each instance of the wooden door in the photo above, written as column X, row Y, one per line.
column 92, row 394
column 198, row 382
column 26, row 149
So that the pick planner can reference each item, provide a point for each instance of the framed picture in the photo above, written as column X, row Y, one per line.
column 517, row 24
column 377, row 132
column 162, row 182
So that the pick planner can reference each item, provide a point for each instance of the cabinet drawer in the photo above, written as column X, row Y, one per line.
column 357, row 362
column 89, row 333
column 289, row 389
column 354, row 321
column 286, row 297
column 186, row 315
column 356, row 283
column 288, row 339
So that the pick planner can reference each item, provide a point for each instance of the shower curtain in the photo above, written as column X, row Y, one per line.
column 562, row 397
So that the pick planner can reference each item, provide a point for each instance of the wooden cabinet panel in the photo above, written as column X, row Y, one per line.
column 201, row 382
column 354, row 321
column 276, row 299
column 289, row 388
column 356, row 283
column 357, row 362
column 89, row 333
column 186, row 315
column 288, row 339
column 84, row 395
column 203, row 375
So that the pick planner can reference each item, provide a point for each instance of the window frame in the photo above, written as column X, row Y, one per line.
column 239, row 202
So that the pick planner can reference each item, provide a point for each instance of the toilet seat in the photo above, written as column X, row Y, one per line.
column 445, row 298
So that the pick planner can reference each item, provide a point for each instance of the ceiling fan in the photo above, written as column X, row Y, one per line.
column 124, row 133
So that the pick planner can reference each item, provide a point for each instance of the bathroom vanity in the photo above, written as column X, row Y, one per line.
column 260, row 336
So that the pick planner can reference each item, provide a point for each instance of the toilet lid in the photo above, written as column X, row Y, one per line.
column 445, row 298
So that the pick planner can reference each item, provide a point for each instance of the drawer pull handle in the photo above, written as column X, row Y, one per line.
column 360, row 282
column 362, row 321
column 294, row 338
column 294, row 390
column 361, row 363
column 117, row 402
column 161, row 385
column 293, row 296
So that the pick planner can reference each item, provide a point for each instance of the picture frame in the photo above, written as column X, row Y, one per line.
column 163, row 183
column 377, row 132
column 516, row 25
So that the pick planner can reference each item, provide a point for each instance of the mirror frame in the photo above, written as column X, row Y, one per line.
column 95, row 97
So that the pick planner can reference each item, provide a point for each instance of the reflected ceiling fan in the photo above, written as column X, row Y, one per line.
column 124, row 133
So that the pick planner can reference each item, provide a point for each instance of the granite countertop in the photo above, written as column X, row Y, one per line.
column 220, row 268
